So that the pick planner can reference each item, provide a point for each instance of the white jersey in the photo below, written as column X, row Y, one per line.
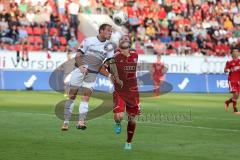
column 95, row 52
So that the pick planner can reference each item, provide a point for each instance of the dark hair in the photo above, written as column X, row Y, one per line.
column 233, row 49
column 103, row 27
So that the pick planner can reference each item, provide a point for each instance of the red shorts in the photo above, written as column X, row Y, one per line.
column 234, row 86
column 128, row 100
column 158, row 79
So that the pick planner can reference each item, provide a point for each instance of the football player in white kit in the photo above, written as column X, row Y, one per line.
column 92, row 54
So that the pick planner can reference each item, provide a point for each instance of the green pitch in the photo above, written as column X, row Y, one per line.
column 29, row 130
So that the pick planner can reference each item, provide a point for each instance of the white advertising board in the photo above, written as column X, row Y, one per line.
column 176, row 64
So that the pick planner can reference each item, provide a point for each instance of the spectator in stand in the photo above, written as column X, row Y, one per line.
column 3, row 23
column 150, row 30
column 4, row 14
column 49, row 44
column 72, row 46
column 236, row 19
column 73, row 10
column 4, row 35
column 141, row 32
column 159, row 47
column 14, row 35
column 228, row 25
column 23, row 6
column 233, row 8
column 55, row 42
column 30, row 16
column 1, row 6
column 22, row 19
column 236, row 32
column 71, row 33
column 45, row 37
column 64, row 28
column 61, row 9
column 22, row 33
column 165, row 38
column 178, row 23
column 53, row 20
column 219, row 49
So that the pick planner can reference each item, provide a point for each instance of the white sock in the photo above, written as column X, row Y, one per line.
column 83, row 109
column 69, row 106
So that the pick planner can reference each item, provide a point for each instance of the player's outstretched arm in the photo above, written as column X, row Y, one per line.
column 113, row 70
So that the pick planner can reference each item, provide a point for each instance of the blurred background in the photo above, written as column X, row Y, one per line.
column 193, row 38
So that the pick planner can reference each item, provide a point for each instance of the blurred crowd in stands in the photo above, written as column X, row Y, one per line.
column 196, row 27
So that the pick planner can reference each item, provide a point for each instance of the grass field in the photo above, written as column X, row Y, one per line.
column 30, row 130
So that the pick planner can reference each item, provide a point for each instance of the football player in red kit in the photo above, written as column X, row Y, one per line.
column 158, row 74
column 126, row 96
column 233, row 68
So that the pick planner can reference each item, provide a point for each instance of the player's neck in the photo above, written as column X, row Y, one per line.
column 125, row 52
column 101, row 39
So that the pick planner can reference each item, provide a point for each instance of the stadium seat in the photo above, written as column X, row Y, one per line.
column 31, row 39
column 29, row 30
column 37, row 31
column 38, row 39
column 37, row 47
column 63, row 40
column 63, row 48
column 53, row 30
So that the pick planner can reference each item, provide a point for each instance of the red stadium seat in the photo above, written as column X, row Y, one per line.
column 37, row 47
column 31, row 39
column 55, row 48
column 63, row 40
column 53, row 30
column 37, row 31
column 38, row 39
column 63, row 48
column 170, row 51
column 29, row 30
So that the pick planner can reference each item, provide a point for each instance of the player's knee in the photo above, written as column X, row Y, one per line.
column 118, row 116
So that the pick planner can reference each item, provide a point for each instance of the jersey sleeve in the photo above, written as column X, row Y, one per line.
column 110, row 54
column 83, row 46
column 227, row 66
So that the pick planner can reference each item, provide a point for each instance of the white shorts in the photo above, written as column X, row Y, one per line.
column 78, row 79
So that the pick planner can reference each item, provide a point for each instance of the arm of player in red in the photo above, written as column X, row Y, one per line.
column 227, row 68
column 113, row 70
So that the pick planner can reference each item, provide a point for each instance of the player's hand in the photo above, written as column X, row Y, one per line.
column 83, row 69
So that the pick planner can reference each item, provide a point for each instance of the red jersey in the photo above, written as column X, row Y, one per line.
column 158, row 69
column 127, row 67
column 234, row 67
